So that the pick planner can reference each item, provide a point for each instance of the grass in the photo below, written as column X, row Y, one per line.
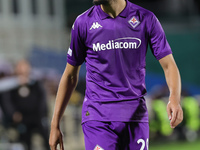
column 181, row 145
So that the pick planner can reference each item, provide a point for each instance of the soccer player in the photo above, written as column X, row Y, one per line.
column 112, row 38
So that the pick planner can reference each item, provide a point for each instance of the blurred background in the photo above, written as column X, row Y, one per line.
column 34, row 39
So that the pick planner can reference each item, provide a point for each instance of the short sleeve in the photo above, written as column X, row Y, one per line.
column 77, row 51
column 158, row 42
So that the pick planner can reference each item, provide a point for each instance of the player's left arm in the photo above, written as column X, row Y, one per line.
column 173, row 80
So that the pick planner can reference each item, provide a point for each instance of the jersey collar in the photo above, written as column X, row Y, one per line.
column 104, row 15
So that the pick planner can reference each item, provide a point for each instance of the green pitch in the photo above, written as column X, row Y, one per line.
column 175, row 145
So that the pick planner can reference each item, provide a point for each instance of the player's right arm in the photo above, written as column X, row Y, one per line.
column 67, row 84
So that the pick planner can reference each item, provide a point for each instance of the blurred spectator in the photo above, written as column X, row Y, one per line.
column 5, row 71
column 75, row 103
column 191, row 115
column 159, row 122
column 7, row 80
column 25, row 106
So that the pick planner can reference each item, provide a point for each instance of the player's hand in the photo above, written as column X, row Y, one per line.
column 56, row 137
column 175, row 113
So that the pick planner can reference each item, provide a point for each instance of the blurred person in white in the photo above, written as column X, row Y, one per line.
column 25, row 106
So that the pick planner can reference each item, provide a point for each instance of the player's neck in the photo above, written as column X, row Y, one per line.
column 114, row 8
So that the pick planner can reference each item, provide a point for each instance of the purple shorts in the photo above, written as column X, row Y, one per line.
column 116, row 135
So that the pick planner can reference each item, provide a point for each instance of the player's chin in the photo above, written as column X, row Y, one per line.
column 100, row 2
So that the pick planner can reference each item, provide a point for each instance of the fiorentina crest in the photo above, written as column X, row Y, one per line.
column 98, row 148
column 134, row 22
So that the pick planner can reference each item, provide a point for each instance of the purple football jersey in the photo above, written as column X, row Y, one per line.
column 114, row 50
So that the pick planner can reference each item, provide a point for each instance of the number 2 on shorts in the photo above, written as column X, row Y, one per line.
column 143, row 143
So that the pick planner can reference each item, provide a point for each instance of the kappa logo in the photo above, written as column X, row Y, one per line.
column 97, row 147
column 134, row 22
column 95, row 25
